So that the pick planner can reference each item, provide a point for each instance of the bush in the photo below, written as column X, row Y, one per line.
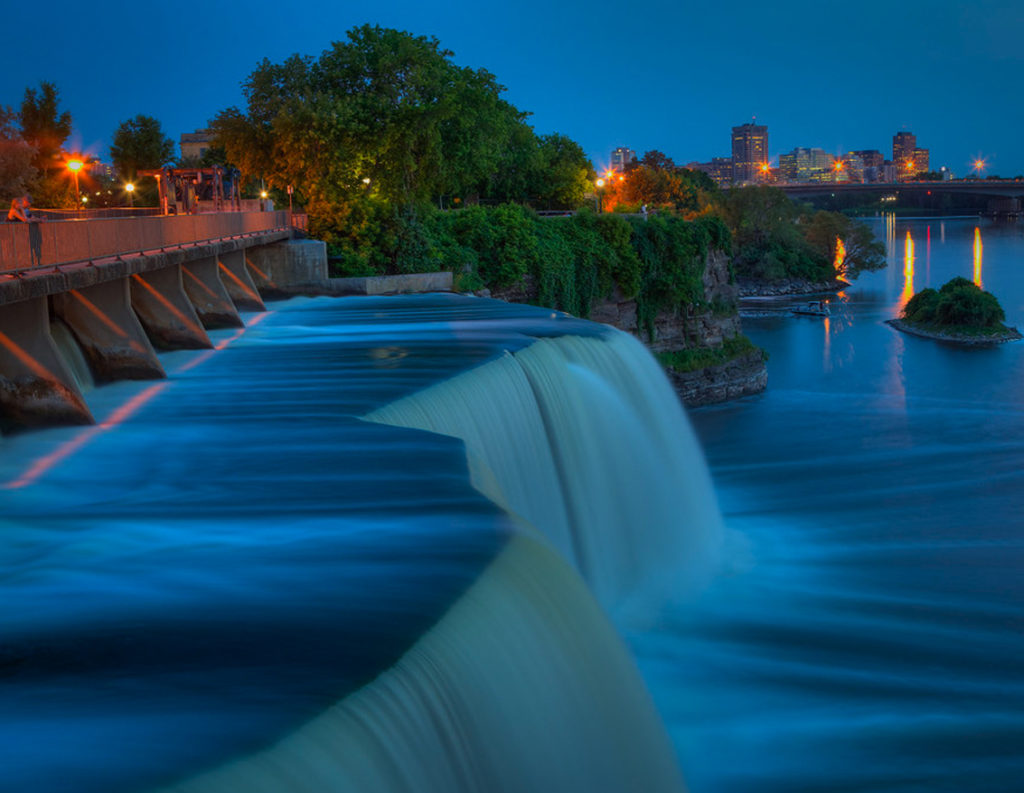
column 959, row 303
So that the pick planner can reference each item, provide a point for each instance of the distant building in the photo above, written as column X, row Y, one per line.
column 853, row 164
column 807, row 165
column 102, row 170
column 903, row 146
column 872, row 158
column 196, row 144
column 719, row 169
column 621, row 157
column 787, row 167
column 749, row 152
column 922, row 160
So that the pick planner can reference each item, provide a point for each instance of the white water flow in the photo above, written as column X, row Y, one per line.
column 521, row 655
column 72, row 354
column 584, row 438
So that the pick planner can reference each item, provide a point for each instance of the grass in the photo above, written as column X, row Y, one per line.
column 703, row 357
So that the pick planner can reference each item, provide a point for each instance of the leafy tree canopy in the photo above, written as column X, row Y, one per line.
column 388, row 117
column 43, row 126
column 140, row 144
column 17, row 173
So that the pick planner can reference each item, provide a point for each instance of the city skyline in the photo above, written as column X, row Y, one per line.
column 665, row 77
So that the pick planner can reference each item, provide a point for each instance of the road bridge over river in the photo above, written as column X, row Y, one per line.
column 1001, row 195
column 123, row 287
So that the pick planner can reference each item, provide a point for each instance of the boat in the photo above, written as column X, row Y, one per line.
column 817, row 308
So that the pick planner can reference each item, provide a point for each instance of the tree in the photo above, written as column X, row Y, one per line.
column 42, row 125
column 140, row 144
column 382, row 124
column 566, row 173
column 862, row 251
column 17, row 173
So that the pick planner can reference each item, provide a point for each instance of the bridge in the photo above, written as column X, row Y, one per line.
column 1000, row 193
column 125, row 287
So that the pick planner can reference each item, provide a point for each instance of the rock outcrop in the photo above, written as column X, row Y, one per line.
column 687, row 328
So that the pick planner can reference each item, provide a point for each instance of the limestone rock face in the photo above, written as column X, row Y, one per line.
column 685, row 329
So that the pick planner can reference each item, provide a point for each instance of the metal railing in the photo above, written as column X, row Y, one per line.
column 24, row 246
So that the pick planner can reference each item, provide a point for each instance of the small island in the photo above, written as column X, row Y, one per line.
column 960, row 312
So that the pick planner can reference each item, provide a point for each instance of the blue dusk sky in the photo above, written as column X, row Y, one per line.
column 673, row 76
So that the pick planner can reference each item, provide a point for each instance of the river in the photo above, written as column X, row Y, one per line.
column 867, row 632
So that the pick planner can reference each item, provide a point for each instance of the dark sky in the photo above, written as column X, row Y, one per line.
column 668, row 75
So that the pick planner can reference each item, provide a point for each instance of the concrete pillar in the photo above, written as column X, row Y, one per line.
column 159, row 301
column 238, row 283
column 288, row 268
column 211, row 300
column 36, row 387
column 109, row 333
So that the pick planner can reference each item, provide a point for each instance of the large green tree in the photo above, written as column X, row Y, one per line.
column 140, row 144
column 383, row 123
column 17, row 172
column 43, row 125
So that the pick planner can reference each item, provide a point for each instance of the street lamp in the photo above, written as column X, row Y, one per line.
column 75, row 166
column 130, row 189
column 600, row 185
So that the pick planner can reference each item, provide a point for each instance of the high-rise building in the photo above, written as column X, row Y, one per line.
column 749, row 152
column 621, row 157
column 903, row 145
column 922, row 160
column 787, row 167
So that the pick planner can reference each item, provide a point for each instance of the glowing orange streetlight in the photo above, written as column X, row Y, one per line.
column 75, row 166
column 130, row 189
column 979, row 166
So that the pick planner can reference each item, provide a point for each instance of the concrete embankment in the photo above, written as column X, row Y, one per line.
column 120, row 309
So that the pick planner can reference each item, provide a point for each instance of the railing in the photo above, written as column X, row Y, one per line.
column 24, row 246
column 93, row 214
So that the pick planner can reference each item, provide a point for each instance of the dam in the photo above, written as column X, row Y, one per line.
column 377, row 543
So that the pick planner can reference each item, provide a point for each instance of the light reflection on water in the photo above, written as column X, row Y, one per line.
column 869, row 632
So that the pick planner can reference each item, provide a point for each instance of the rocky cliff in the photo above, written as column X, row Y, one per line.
column 687, row 328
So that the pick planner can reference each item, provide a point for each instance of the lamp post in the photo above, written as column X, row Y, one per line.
column 130, row 189
column 75, row 166
column 600, row 194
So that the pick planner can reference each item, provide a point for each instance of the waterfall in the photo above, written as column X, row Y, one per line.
column 584, row 439
column 522, row 686
column 72, row 355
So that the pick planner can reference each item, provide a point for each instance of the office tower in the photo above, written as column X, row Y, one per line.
column 749, row 152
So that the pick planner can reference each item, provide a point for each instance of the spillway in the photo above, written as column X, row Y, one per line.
column 366, row 544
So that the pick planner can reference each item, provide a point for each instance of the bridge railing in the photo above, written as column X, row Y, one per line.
column 24, row 246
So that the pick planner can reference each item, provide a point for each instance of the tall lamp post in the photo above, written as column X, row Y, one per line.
column 130, row 189
column 75, row 166
column 600, row 194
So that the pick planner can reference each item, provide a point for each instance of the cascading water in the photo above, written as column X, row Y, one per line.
column 525, row 653
column 584, row 438
column 72, row 355
column 289, row 597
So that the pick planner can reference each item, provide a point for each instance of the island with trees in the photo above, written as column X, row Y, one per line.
column 960, row 311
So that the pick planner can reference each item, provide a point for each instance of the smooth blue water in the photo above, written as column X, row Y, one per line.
column 232, row 550
column 868, row 632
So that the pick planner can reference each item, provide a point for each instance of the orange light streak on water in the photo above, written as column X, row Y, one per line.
column 38, row 468
column 908, row 270
column 977, row 258
column 118, row 416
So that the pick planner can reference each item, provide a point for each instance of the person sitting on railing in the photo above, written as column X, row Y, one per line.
column 21, row 211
